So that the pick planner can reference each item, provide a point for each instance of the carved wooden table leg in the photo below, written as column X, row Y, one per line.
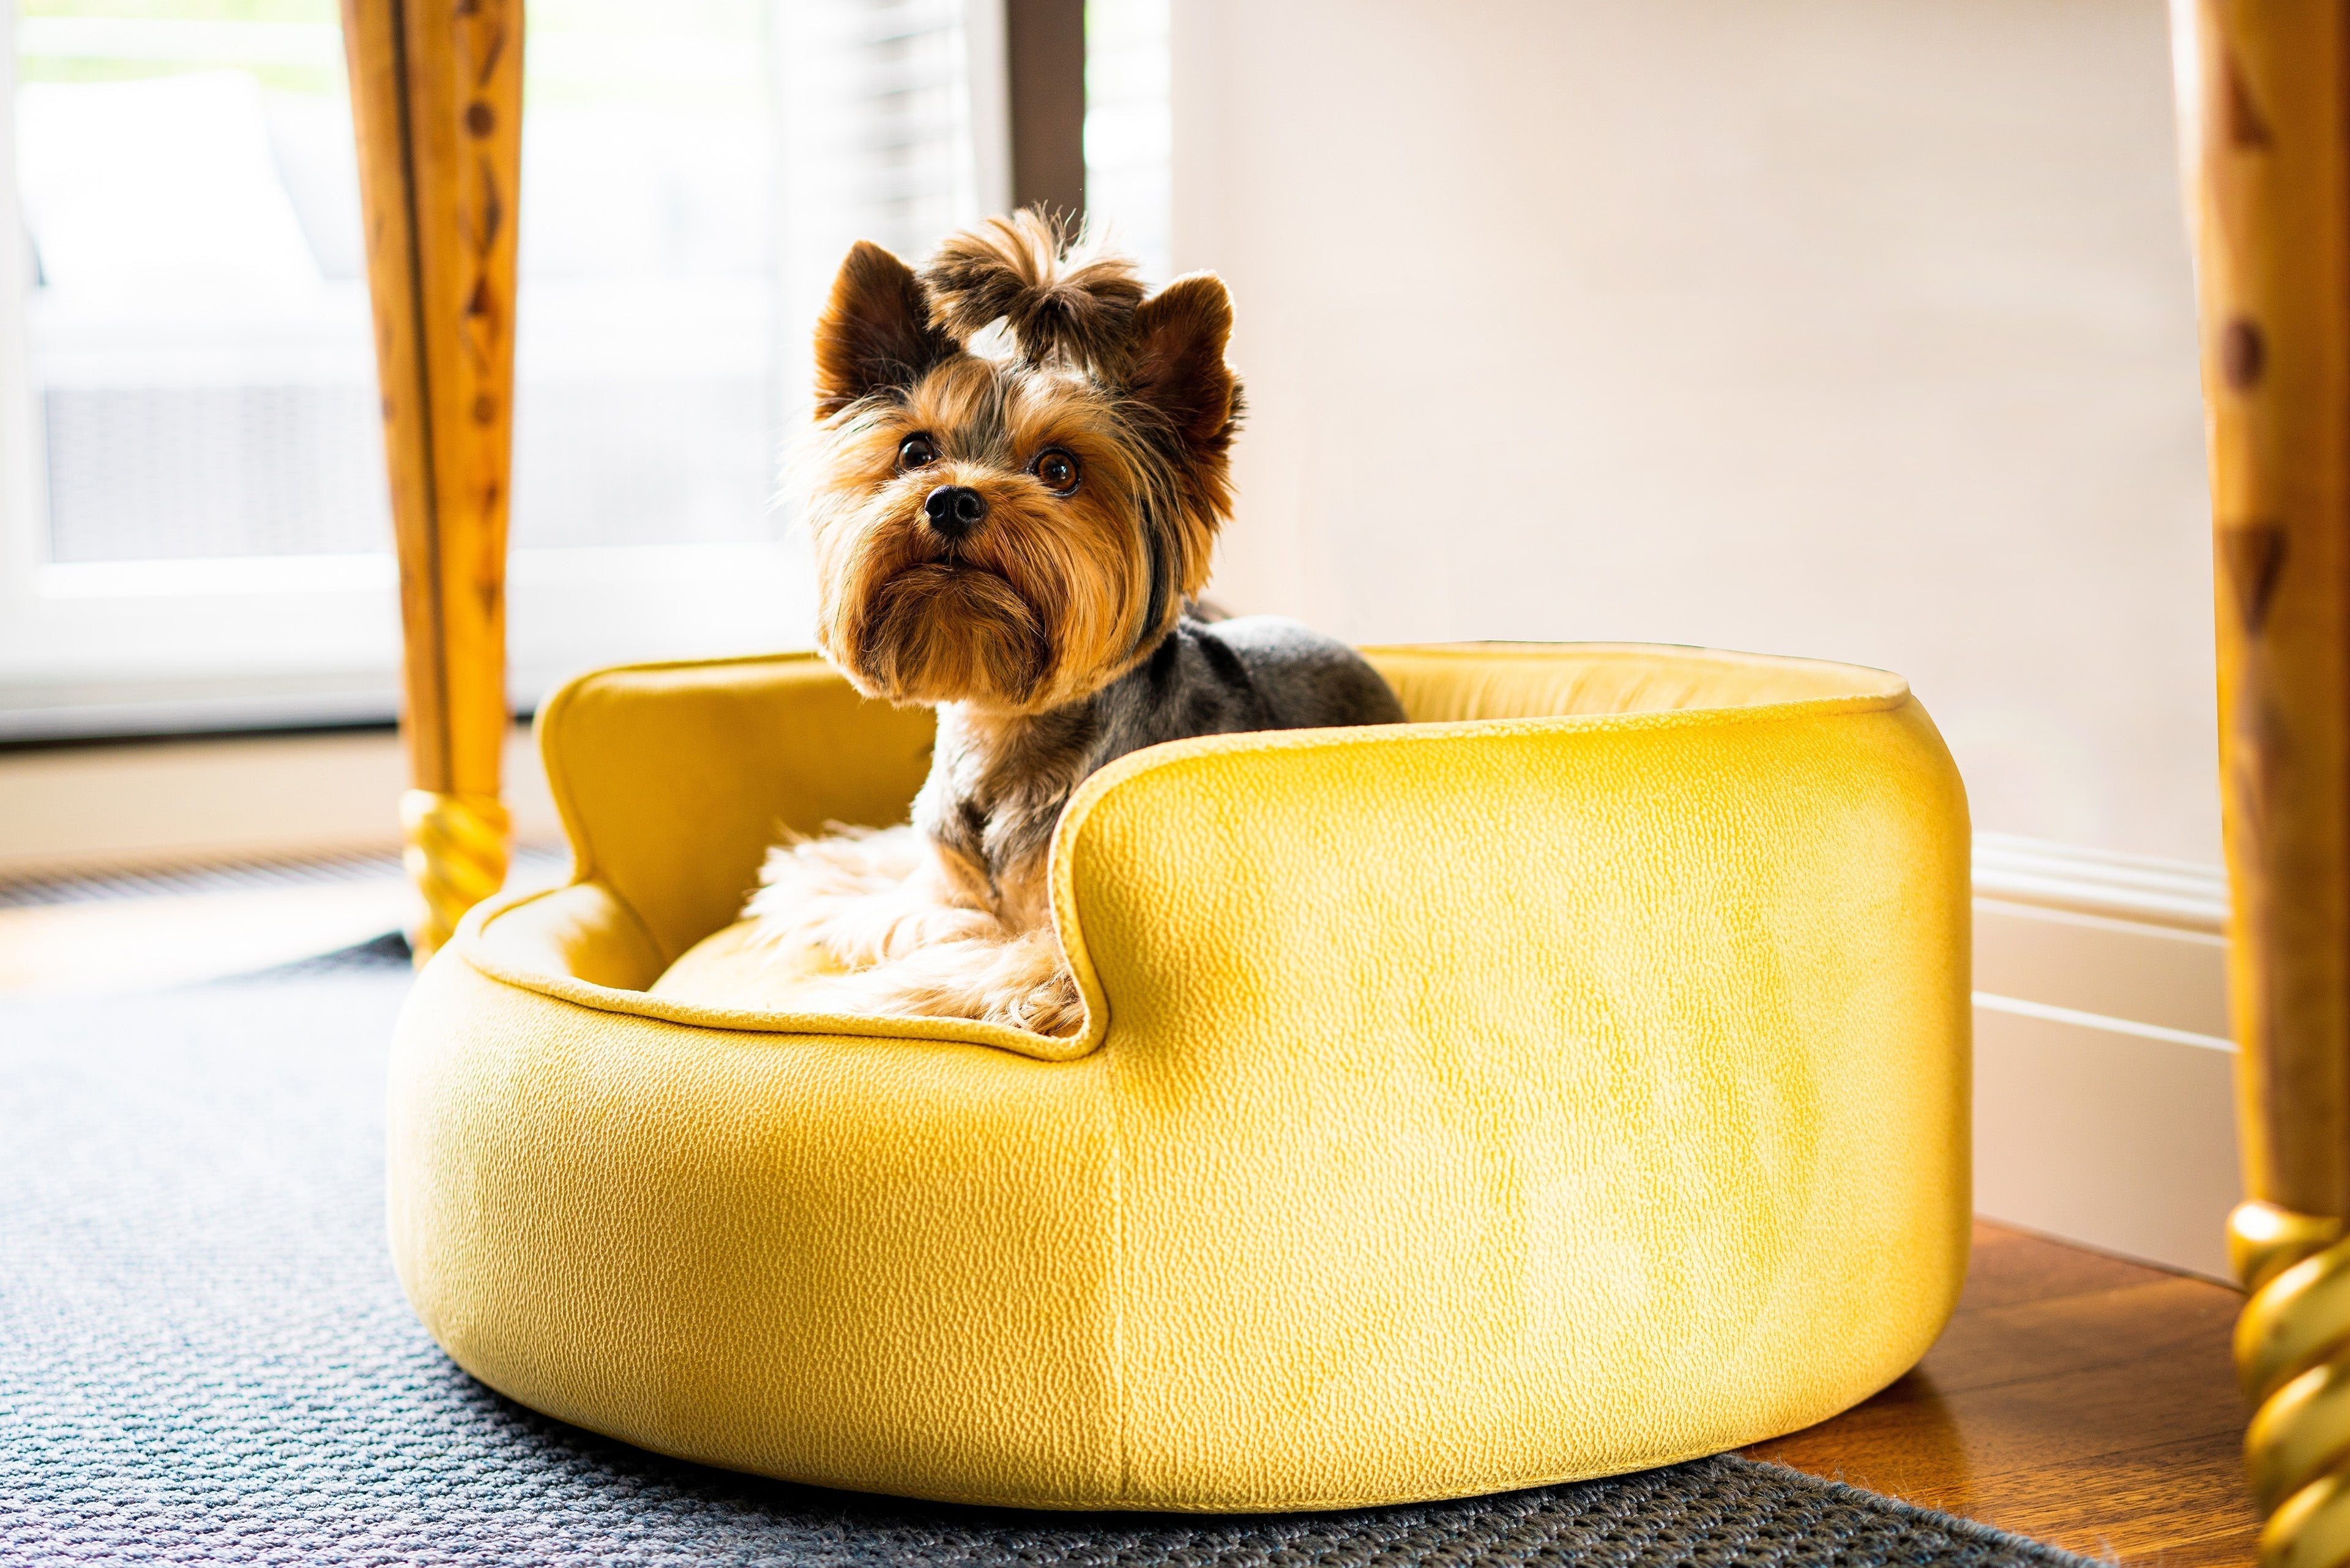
column 436, row 97
column 2265, row 108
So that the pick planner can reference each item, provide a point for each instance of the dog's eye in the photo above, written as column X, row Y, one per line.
column 1058, row 471
column 917, row 452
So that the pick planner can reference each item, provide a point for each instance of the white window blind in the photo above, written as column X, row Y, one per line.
column 894, row 130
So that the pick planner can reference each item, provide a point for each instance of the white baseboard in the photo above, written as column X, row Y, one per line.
column 2120, row 1141
column 2105, row 1101
column 167, row 802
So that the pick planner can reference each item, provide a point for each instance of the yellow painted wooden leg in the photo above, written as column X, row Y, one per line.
column 2264, row 104
column 436, row 97
column 457, row 856
column 2292, row 1352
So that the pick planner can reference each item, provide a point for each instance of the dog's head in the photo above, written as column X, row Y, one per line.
column 1014, row 531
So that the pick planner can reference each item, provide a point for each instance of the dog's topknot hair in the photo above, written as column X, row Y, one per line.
column 1057, row 299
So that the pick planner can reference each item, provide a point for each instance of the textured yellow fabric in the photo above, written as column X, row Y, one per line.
column 1462, row 1105
column 735, row 969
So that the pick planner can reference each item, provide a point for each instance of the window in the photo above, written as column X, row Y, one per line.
column 1129, row 129
column 195, row 519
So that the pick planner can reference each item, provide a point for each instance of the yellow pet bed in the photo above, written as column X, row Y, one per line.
column 1571, row 1082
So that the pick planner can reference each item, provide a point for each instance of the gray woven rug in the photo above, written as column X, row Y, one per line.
column 204, row 1358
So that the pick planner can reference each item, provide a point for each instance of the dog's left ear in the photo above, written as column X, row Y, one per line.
column 875, row 331
column 1179, row 362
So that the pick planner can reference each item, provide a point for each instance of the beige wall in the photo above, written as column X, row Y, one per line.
column 1851, row 327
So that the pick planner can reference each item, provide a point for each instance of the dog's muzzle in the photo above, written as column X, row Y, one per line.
column 954, row 510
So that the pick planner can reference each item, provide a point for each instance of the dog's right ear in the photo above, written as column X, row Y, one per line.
column 875, row 332
column 1179, row 362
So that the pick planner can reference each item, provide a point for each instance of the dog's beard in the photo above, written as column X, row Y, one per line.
column 940, row 633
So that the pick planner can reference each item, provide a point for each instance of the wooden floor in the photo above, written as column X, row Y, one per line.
column 2074, row 1398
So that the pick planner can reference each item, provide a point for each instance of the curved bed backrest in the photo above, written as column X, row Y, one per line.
column 1805, row 855
column 1442, row 682
column 674, row 778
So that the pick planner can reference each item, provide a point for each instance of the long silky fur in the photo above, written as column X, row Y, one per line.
column 1059, row 298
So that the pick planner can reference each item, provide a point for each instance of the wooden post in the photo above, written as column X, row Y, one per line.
column 2264, row 99
column 436, row 100
column 1044, row 58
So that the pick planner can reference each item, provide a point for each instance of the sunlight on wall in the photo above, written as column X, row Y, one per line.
column 1817, row 326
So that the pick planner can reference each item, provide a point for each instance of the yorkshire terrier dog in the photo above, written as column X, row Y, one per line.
column 1016, row 538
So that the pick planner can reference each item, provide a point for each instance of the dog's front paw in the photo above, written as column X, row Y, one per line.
column 1050, row 1005
column 1019, row 981
column 862, row 932
column 860, row 897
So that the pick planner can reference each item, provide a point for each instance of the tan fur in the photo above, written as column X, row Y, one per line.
column 1021, row 981
column 1179, row 369
column 912, row 928
column 1061, row 583
column 863, row 896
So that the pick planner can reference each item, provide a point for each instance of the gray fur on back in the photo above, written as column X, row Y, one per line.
column 1255, row 672
column 1311, row 681
column 999, row 805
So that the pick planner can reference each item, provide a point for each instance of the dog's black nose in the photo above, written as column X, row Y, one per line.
column 954, row 510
